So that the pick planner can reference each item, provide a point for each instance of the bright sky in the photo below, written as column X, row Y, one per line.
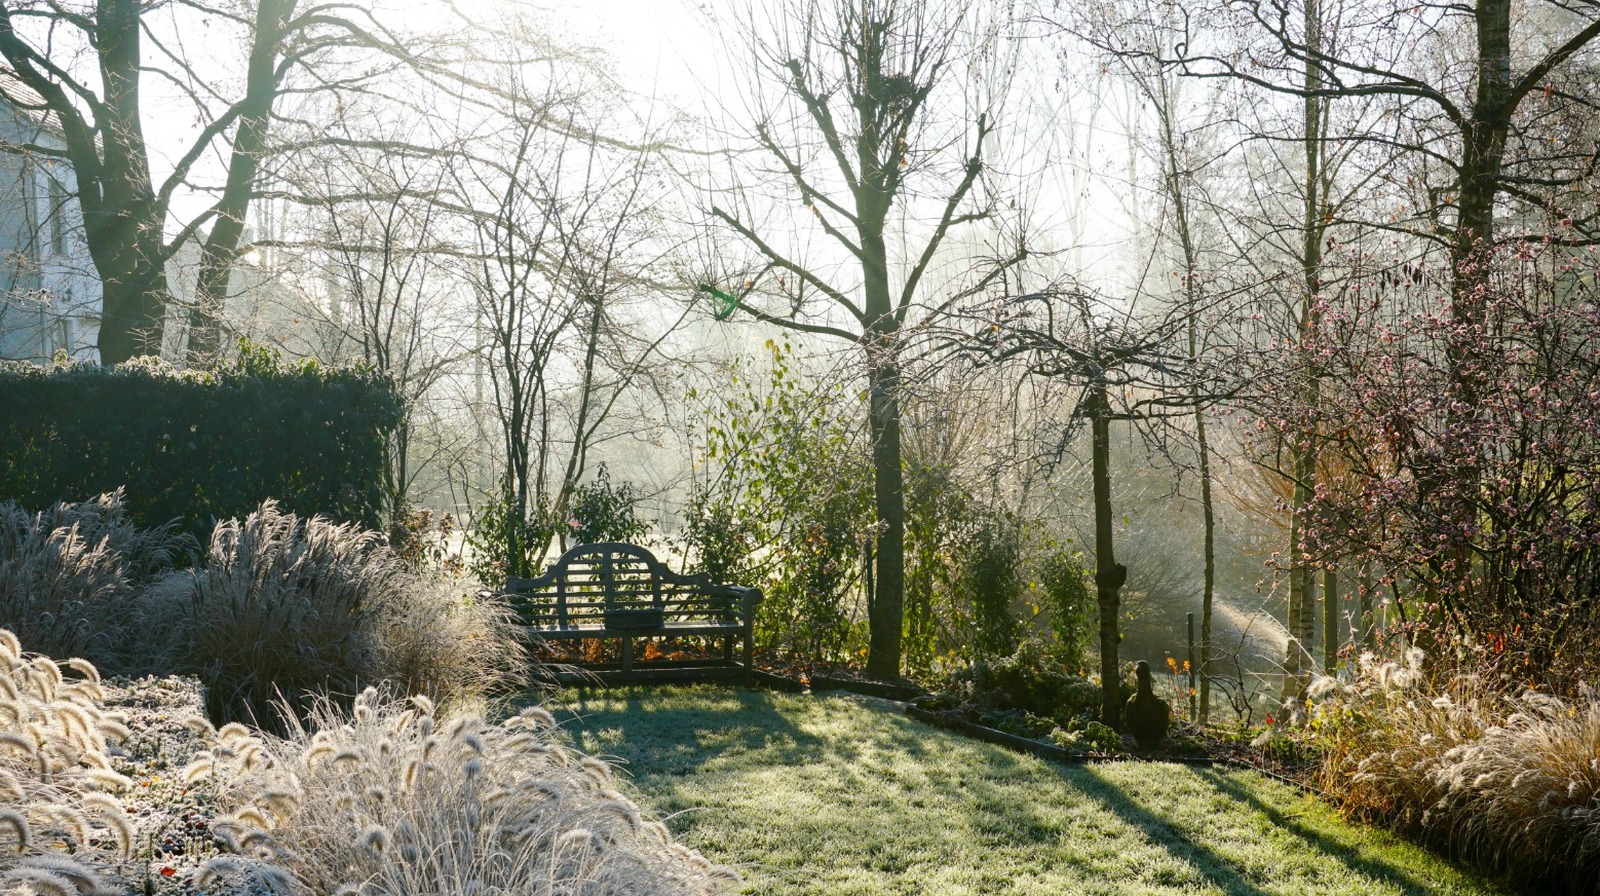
column 654, row 42
column 664, row 50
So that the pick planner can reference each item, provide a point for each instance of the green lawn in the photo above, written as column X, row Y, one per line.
column 846, row 795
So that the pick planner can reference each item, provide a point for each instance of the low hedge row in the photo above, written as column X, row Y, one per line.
column 199, row 446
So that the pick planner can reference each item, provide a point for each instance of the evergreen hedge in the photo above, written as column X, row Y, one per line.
column 199, row 446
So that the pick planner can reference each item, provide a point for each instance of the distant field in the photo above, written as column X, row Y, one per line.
column 845, row 795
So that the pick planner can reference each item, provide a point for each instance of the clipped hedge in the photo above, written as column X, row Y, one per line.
column 199, row 446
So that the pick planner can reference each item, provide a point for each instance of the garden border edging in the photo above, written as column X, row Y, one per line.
column 1055, row 753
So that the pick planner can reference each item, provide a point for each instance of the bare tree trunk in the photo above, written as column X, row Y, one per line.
column 134, row 290
column 1109, row 575
column 1209, row 587
column 1330, row 620
column 1301, row 614
column 249, row 145
column 1367, row 618
column 888, row 598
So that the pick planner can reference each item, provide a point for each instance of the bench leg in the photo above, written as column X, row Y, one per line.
column 727, row 649
column 749, row 653
column 627, row 654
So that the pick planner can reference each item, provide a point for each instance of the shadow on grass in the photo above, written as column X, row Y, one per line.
column 684, row 737
column 935, row 801
column 1204, row 860
column 1349, row 855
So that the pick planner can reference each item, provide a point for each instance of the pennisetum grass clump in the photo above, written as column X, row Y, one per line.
column 386, row 799
column 71, row 576
column 287, row 607
column 1510, row 782
column 59, row 809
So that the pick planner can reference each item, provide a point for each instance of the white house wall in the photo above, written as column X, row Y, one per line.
column 50, row 297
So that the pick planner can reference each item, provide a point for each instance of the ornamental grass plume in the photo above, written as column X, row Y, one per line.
column 389, row 799
column 1511, row 783
column 1382, row 733
column 70, row 578
column 285, row 608
column 1525, row 795
column 57, row 788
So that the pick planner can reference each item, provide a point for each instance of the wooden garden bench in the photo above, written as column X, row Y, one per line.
column 621, row 591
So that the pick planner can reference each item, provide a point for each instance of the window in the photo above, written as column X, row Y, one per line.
column 58, row 216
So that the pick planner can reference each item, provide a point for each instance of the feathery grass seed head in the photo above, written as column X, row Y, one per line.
column 15, row 822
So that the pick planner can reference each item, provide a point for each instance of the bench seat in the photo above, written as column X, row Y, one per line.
column 668, row 629
column 615, row 590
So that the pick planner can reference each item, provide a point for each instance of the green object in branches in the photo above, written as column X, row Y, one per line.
column 726, row 304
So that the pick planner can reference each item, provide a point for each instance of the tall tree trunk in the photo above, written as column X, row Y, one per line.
column 887, row 608
column 1482, row 151
column 133, row 282
column 1109, row 575
column 1368, row 620
column 249, row 144
column 1209, row 586
column 1175, row 178
column 881, row 339
column 1481, row 168
column 123, row 219
column 1330, row 620
column 1301, row 614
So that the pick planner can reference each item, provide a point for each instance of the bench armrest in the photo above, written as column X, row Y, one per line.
column 749, row 600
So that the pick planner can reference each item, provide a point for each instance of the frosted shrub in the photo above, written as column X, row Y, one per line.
column 389, row 799
column 58, row 793
column 286, row 607
column 69, row 577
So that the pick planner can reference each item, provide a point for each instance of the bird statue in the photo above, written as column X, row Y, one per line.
column 1147, row 715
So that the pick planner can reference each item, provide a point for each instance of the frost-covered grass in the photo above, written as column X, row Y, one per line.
column 846, row 795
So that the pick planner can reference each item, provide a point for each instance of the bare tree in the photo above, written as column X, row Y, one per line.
column 1182, row 145
column 1126, row 370
column 88, row 66
column 860, row 132
column 563, row 232
column 377, row 235
column 1316, row 183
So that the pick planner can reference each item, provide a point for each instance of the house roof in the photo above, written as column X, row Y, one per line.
column 27, row 102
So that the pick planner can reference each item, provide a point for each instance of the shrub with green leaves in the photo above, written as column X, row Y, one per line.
column 71, row 577
column 1029, row 680
column 720, row 537
column 507, row 540
column 603, row 510
column 991, row 575
column 1084, row 735
column 1064, row 584
column 782, row 500
column 285, row 608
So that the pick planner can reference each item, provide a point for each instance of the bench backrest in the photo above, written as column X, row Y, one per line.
column 590, row 579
